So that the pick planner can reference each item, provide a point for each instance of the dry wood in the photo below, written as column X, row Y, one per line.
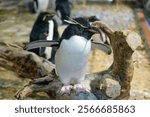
column 25, row 63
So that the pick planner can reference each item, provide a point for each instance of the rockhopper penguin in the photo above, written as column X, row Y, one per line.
column 45, row 28
column 72, row 55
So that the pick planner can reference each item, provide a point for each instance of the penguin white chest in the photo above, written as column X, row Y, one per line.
column 48, row 50
column 71, row 59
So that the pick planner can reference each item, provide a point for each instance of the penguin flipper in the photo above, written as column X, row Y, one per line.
column 41, row 43
column 102, row 47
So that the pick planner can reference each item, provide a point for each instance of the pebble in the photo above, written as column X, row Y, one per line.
column 147, row 95
column 110, row 87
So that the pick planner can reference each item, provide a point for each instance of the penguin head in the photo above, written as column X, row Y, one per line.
column 45, row 16
column 79, row 27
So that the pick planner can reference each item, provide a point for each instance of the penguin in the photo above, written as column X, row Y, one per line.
column 37, row 6
column 63, row 9
column 72, row 55
column 45, row 28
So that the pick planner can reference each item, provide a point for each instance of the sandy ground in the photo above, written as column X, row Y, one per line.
column 15, row 28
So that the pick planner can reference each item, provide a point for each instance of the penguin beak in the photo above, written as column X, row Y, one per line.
column 93, row 30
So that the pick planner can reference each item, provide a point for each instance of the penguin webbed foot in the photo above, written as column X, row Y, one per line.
column 66, row 89
column 79, row 88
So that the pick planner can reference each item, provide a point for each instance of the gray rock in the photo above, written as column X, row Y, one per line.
column 110, row 87
column 85, row 96
column 147, row 95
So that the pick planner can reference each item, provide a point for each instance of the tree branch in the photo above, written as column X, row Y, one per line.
column 25, row 63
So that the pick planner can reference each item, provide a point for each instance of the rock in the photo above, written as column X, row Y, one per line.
column 77, row 96
column 110, row 87
column 146, row 95
column 85, row 96
column 133, row 39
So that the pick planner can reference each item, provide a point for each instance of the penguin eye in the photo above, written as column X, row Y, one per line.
column 46, row 17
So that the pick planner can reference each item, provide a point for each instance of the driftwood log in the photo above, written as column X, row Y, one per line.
column 25, row 63
column 113, row 83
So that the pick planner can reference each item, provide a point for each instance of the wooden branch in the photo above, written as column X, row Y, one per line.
column 122, row 68
column 113, row 83
column 26, row 64
column 52, row 86
column 123, row 43
column 102, row 26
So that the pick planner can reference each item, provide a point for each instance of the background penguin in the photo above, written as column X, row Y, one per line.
column 37, row 6
column 45, row 28
column 63, row 9
column 72, row 55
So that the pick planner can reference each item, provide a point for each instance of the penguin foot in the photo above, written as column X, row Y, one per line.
column 66, row 89
column 79, row 88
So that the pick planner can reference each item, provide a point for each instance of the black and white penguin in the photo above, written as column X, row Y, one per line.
column 45, row 28
column 72, row 55
column 37, row 6
column 63, row 9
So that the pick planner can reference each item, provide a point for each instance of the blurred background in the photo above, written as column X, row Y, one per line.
column 18, row 16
